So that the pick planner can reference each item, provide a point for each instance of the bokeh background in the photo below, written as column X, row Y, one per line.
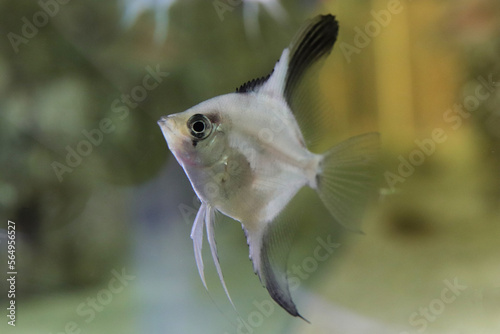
column 103, row 235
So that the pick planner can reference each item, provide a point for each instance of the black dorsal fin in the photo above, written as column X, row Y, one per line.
column 253, row 85
column 313, row 42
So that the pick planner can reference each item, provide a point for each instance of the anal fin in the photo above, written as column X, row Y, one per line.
column 269, row 248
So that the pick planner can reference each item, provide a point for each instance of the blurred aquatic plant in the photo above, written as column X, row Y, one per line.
column 53, row 92
column 474, row 27
column 251, row 10
column 133, row 9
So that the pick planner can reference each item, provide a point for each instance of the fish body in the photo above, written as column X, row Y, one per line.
column 246, row 157
column 244, row 173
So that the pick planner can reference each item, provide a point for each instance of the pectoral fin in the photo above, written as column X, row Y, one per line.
column 210, row 222
column 197, row 237
column 206, row 216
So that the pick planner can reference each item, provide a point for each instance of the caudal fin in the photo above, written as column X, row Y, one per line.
column 347, row 178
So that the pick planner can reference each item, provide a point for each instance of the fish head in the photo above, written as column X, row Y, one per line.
column 196, row 136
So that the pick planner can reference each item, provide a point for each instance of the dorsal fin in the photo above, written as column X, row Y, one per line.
column 314, row 41
column 253, row 85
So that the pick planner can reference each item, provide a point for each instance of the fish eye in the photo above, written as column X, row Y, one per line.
column 200, row 126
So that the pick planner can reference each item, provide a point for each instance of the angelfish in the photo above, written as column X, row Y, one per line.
column 246, row 157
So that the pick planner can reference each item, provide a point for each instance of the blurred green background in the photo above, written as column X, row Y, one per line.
column 103, row 212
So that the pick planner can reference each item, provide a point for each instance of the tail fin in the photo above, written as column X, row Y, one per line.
column 347, row 178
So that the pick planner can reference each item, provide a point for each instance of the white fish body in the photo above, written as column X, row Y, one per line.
column 246, row 157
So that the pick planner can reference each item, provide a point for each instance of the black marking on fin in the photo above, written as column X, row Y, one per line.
column 279, row 292
column 250, row 255
column 252, row 85
column 313, row 42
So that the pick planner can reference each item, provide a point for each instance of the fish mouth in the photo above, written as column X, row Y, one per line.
column 168, row 125
column 169, row 128
column 166, row 121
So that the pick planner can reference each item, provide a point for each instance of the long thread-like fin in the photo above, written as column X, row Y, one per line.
column 197, row 237
column 210, row 223
column 347, row 178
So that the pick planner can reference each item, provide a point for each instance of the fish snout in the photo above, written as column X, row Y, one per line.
column 166, row 121
column 168, row 124
column 173, row 134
